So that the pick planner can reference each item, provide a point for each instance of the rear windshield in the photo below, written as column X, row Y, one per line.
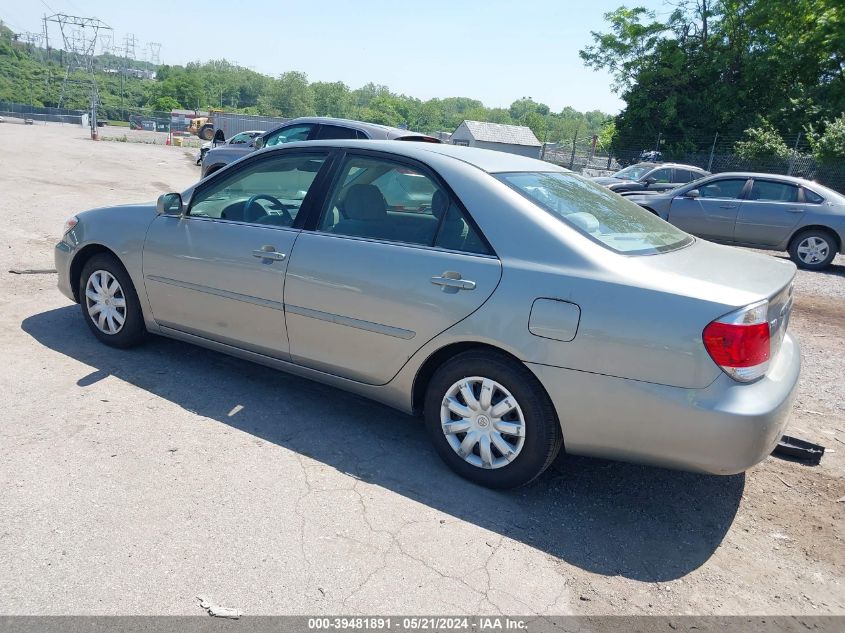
column 597, row 212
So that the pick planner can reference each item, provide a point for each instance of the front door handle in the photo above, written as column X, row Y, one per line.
column 452, row 282
column 728, row 206
column 269, row 252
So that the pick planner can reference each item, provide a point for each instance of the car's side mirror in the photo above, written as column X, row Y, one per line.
column 169, row 204
column 649, row 181
column 692, row 193
column 258, row 143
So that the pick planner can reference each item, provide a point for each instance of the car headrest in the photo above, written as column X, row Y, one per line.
column 439, row 203
column 584, row 221
column 364, row 202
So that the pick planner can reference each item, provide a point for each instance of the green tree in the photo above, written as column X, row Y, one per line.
column 829, row 146
column 762, row 144
column 290, row 95
column 332, row 99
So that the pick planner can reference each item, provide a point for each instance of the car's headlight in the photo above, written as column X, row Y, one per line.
column 70, row 223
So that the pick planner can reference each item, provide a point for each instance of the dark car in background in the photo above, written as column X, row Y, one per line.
column 309, row 129
column 766, row 211
column 651, row 177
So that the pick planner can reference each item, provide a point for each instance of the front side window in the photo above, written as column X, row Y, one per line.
column 597, row 212
column 768, row 191
column 288, row 135
column 728, row 188
column 268, row 192
column 380, row 199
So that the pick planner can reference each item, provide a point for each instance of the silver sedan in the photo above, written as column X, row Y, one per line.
column 761, row 211
column 518, row 307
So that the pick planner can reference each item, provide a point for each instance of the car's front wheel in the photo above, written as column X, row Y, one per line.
column 813, row 249
column 490, row 420
column 109, row 302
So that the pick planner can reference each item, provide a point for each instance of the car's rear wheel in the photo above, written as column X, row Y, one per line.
column 490, row 420
column 109, row 302
column 813, row 249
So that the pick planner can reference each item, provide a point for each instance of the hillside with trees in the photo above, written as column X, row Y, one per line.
column 28, row 75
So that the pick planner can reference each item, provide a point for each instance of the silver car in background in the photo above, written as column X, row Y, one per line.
column 308, row 129
column 760, row 211
column 517, row 306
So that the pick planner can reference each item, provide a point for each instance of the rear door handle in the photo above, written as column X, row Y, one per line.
column 728, row 206
column 453, row 283
column 796, row 210
column 269, row 252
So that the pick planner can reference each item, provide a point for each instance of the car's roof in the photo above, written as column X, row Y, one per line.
column 752, row 174
column 491, row 161
column 390, row 132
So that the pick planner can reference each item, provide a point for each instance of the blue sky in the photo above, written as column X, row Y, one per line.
column 491, row 50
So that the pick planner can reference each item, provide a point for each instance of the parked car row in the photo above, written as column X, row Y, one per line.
column 516, row 306
column 764, row 211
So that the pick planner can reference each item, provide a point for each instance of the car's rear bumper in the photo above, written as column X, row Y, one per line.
column 63, row 253
column 724, row 428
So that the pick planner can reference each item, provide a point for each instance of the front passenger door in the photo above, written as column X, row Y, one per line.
column 218, row 271
column 713, row 213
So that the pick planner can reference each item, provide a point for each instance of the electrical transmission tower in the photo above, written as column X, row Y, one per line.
column 155, row 53
column 79, row 43
column 107, row 43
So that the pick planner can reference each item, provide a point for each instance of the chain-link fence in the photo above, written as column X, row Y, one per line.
column 43, row 115
column 715, row 153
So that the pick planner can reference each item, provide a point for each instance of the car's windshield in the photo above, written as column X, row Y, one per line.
column 597, row 212
column 634, row 172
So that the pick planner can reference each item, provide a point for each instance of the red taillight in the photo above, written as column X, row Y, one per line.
column 740, row 342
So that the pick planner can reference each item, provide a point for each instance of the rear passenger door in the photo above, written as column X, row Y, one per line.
column 392, row 261
column 769, row 213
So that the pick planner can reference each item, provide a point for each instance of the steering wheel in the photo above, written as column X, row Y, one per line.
column 275, row 204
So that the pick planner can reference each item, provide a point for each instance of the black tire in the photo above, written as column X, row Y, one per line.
column 819, row 234
column 132, row 331
column 206, row 132
column 543, row 437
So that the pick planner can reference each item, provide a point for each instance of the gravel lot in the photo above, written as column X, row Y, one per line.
column 134, row 481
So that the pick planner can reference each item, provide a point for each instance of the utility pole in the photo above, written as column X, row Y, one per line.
column 712, row 152
column 593, row 149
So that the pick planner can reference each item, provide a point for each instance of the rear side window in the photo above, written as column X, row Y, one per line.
column 384, row 200
column 329, row 132
column 597, row 212
column 727, row 188
column 769, row 191
column 685, row 175
column 662, row 175
column 812, row 197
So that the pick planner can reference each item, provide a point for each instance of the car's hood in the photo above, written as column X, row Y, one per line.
column 607, row 180
column 134, row 210
column 721, row 274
